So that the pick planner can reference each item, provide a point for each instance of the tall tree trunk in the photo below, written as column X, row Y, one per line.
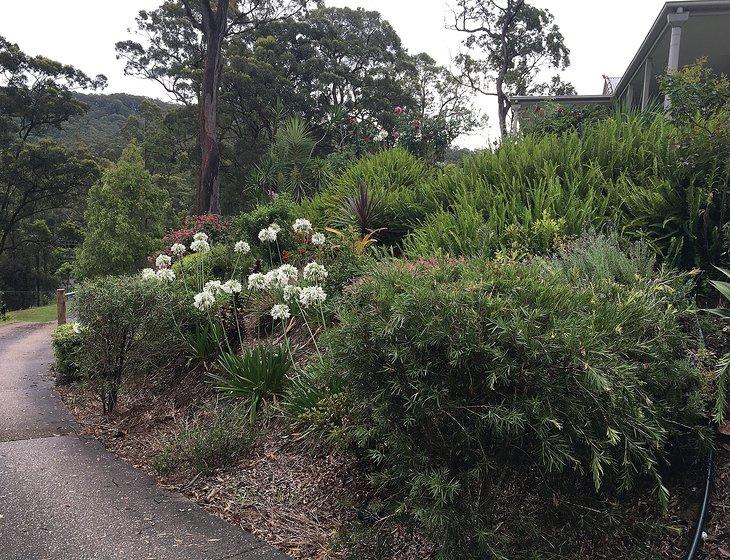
column 209, row 198
column 214, row 26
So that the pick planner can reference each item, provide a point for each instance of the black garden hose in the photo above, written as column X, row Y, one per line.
column 696, row 543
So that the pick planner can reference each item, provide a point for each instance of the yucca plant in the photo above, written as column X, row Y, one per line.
column 256, row 374
column 724, row 365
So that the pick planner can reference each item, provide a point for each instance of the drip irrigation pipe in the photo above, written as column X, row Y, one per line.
column 697, row 539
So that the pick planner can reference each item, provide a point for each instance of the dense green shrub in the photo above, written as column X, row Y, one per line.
column 125, row 216
column 131, row 326
column 393, row 180
column 458, row 373
column 66, row 350
column 282, row 211
column 568, row 182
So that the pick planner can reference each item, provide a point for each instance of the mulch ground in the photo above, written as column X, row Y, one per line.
column 299, row 494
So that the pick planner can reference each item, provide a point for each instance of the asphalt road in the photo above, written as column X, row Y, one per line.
column 63, row 497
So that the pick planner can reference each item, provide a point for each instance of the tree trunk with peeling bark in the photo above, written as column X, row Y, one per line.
column 213, row 24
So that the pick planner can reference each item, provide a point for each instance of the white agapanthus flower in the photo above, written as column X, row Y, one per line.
column 204, row 300
column 213, row 286
column 318, row 239
column 312, row 295
column 163, row 261
column 178, row 249
column 314, row 272
column 148, row 273
column 200, row 236
column 291, row 293
column 289, row 271
column 258, row 281
column 280, row 311
column 242, row 247
column 76, row 327
column 381, row 135
column 166, row 275
column 267, row 235
column 276, row 279
column 302, row 225
column 275, row 227
column 200, row 246
column 232, row 287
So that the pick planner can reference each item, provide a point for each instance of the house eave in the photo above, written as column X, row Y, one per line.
column 659, row 27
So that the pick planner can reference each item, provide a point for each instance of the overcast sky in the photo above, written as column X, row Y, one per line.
column 600, row 36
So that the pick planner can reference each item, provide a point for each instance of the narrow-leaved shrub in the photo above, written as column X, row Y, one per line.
column 463, row 374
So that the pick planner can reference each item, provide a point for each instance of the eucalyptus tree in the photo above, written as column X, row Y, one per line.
column 38, row 176
column 509, row 43
column 184, row 50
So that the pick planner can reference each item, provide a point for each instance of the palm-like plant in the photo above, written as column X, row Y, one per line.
column 724, row 365
column 290, row 165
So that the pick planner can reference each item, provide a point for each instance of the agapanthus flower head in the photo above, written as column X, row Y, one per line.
column 302, row 225
column 242, row 247
column 213, row 286
column 280, row 311
column 276, row 279
column 268, row 235
column 258, row 281
column 232, row 287
column 314, row 272
column 166, row 275
column 289, row 271
column 204, row 300
column 275, row 227
column 200, row 246
column 148, row 273
column 200, row 236
column 163, row 261
column 318, row 239
column 178, row 249
column 312, row 295
column 76, row 327
column 291, row 293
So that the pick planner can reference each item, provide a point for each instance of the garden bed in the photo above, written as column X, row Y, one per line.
column 299, row 494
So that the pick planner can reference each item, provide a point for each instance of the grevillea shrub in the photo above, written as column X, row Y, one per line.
column 464, row 377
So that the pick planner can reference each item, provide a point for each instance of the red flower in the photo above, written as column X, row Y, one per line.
column 398, row 110
column 285, row 256
column 396, row 135
column 416, row 124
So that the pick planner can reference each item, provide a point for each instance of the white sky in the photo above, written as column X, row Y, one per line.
column 601, row 37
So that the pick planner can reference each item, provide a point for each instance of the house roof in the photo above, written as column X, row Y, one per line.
column 705, row 36
column 574, row 99
column 706, row 7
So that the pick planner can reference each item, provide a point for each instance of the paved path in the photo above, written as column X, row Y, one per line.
column 63, row 497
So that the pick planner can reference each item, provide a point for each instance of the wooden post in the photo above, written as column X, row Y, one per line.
column 61, row 305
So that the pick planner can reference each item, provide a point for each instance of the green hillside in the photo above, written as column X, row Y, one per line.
column 100, row 129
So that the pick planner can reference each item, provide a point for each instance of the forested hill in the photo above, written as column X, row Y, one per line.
column 100, row 129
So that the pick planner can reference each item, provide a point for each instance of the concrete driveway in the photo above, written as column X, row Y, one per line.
column 63, row 497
